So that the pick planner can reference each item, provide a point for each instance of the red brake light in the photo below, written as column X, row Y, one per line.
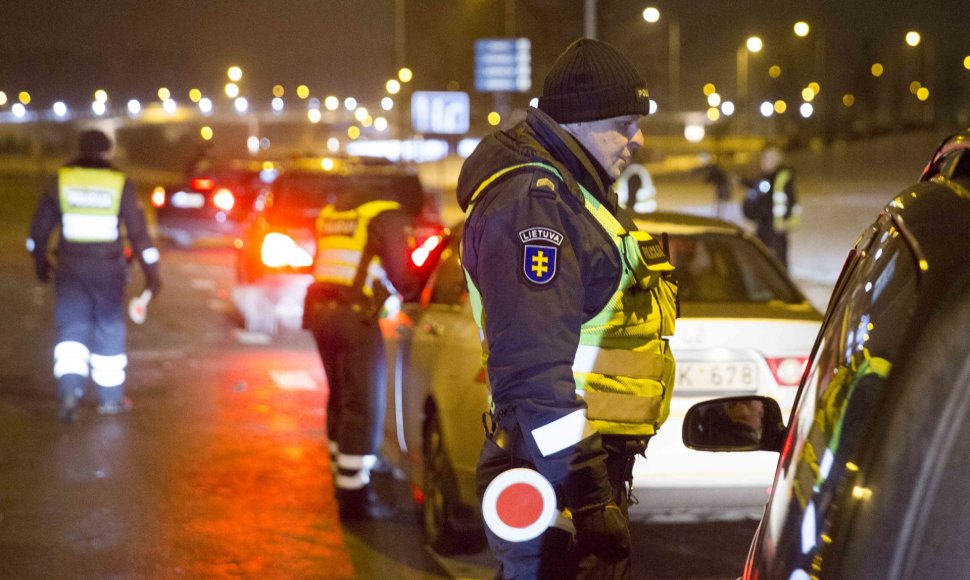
column 223, row 199
column 158, row 196
column 203, row 184
column 788, row 371
column 420, row 255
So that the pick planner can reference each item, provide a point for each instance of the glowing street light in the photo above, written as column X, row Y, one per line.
column 806, row 110
column 241, row 104
column 101, row 96
column 727, row 108
column 98, row 107
column 393, row 86
column 60, row 109
column 232, row 90
column 913, row 38
column 709, row 88
column 754, row 44
column 801, row 28
column 195, row 95
column 303, row 91
column 767, row 109
column 234, row 73
column 134, row 107
column 205, row 105
column 923, row 94
column 713, row 99
column 781, row 106
column 651, row 14
column 24, row 98
column 332, row 103
column 808, row 94
column 164, row 94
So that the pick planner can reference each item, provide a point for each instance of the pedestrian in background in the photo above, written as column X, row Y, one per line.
column 715, row 174
column 363, row 255
column 93, row 203
column 771, row 203
column 568, row 294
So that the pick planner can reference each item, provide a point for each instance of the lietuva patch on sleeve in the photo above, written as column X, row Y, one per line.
column 540, row 253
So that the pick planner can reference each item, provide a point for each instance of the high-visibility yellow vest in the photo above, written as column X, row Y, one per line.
column 623, row 367
column 90, row 201
column 341, row 242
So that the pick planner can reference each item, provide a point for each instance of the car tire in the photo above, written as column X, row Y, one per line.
column 440, row 512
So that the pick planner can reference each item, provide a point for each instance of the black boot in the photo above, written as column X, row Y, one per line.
column 68, row 412
column 363, row 504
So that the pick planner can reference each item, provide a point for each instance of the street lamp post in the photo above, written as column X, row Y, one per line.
column 652, row 16
column 752, row 45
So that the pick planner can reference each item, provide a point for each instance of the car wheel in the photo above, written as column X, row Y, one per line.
column 441, row 509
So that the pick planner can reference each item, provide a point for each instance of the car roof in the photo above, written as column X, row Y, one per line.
column 682, row 223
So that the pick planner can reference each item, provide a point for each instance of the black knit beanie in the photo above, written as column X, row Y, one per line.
column 93, row 142
column 592, row 80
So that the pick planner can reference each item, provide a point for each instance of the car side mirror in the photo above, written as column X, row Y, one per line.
column 748, row 423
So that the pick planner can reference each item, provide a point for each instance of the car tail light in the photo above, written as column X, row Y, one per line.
column 223, row 199
column 279, row 251
column 420, row 255
column 158, row 196
column 788, row 370
column 203, row 184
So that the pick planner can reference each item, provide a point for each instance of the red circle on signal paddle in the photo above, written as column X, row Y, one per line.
column 519, row 505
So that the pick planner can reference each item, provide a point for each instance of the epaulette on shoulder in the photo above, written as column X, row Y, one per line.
column 545, row 184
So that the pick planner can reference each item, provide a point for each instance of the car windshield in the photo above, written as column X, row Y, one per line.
column 722, row 268
column 315, row 190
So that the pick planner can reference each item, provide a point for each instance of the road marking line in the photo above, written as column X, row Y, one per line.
column 202, row 283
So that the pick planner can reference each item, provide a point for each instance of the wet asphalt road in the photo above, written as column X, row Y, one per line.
column 220, row 471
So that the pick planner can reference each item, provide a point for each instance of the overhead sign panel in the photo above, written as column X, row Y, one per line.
column 503, row 65
column 443, row 112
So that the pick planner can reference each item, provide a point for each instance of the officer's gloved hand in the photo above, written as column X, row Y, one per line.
column 604, row 531
column 42, row 267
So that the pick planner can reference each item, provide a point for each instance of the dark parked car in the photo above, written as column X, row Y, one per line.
column 212, row 202
column 872, row 478
column 276, row 247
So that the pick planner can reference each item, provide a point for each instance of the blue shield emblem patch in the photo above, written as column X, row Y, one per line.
column 539, row 263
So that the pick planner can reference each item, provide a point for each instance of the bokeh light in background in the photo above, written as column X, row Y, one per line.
column 206, row 132
column 195, row 95
column 913, row 38
column 801, row 28
column 877, row 70
column 234, row 73
column 332, row 103
column 303, row 91
column 848, row 99
column 232, row 90
column 278, row 90
column 405, row 75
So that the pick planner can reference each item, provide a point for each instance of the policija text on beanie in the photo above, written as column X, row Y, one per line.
column 592, row 80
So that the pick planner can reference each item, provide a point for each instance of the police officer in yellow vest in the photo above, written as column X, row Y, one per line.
column 93, row 203
column 771, row 203
column 363, row 256
column 574, row 304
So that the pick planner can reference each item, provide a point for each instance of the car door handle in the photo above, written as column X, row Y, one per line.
column 434, row 329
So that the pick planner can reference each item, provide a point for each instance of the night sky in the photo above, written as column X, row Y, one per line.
column 67, row 49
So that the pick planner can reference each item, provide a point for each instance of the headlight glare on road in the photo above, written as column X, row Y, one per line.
column 279, row 251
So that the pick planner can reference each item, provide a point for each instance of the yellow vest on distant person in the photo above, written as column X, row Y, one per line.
column 90, row 201
column 623, row 368
column 341, row 241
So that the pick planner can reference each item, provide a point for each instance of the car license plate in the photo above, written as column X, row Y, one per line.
column 186, row 199
column 716, row 376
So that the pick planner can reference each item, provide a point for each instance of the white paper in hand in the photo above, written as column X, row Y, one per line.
column 138, row 307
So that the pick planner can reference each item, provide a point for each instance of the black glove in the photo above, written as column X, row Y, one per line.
column 42, row 267
column 603, row 531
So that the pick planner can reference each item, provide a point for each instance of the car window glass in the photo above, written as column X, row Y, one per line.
column 722, row 268
column 315, row 190
column 449, row 282
column 861, row 339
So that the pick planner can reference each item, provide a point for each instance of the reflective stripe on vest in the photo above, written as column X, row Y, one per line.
column 341, row 240
column 622, row 367
column 90, row 201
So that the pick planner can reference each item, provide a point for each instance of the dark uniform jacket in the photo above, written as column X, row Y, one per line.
column 532, row 330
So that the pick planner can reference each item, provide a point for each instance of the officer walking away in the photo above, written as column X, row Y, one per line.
column 363, row 251
column 771, row 203
column 93, row 203
column 573, row 303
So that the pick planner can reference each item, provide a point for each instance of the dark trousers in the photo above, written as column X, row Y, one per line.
column 352, row 352
column 90, row 309
column 777, row 242
column 556, row 553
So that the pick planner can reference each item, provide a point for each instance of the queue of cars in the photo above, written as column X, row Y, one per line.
column 212, row 202
column 744, row 327
column 872, row 473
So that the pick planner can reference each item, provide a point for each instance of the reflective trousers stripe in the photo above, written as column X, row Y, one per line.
column 71, row 358
column 562, row 433
column 621, row 407
column 353, row 471
column 108, row 371
column 617, row 362
column 78, row 227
